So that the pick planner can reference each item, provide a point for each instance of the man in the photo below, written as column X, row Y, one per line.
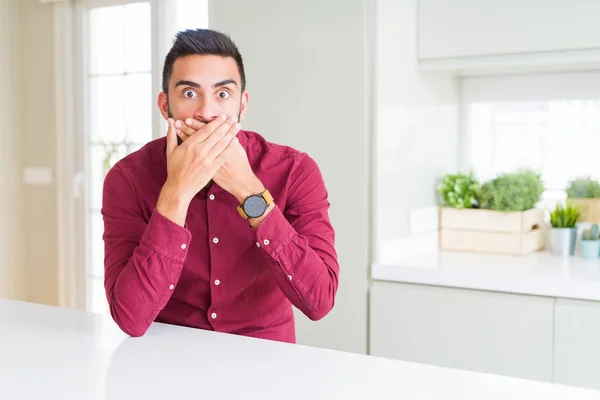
column 214, row 227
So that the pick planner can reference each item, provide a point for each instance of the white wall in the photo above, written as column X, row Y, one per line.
column 416, row 123
column 11, row 250
column 39, row 150
column 308, row 79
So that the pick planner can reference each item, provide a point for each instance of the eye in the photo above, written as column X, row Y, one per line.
column 189, row 94
column 223, row 94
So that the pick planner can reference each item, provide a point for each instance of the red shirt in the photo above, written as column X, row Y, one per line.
column 217, row 272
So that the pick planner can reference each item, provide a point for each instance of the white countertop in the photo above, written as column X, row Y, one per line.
column 540, row 273
column 50, row 353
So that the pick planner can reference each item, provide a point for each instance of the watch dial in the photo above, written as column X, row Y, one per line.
column 255, row 206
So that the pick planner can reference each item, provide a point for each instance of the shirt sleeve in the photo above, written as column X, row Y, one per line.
column 143, row 258
column 299, row 243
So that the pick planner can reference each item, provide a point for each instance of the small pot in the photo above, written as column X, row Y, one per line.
column 562, row 241
column 590, row 248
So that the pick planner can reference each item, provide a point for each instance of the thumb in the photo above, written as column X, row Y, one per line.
column 171, row 137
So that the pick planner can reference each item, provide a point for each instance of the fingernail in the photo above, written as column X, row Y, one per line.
column 224, row 116
column 188, row 121
column 234, row 119
column 238, row 126
column 178, row 124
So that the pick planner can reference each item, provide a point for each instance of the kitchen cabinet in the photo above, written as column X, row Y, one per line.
column 500, row 333
column 479, row 29
column 577, row 343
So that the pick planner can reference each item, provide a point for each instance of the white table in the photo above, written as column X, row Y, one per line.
column 52, row 353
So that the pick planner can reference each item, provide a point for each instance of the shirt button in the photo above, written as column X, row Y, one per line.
column 266, row 242
column 172, row 287
column 212, row 197
column 257, row 244
column 213, row 315
column 216, row 240
column 290, row 277
column 183, row 246
column 217, row 282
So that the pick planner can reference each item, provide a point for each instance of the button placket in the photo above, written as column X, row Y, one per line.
column 211, row 209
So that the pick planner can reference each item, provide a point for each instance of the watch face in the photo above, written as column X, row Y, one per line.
column 255, row 206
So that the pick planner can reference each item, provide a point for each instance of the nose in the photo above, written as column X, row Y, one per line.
column 207, row 111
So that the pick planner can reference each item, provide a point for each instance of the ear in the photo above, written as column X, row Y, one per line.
column 243, row 105
column 163, row 105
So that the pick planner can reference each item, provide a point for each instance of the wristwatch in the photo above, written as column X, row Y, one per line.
column 255, row 205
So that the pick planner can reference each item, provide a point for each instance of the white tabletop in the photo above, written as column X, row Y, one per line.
column 51, row 353
column 416, row 260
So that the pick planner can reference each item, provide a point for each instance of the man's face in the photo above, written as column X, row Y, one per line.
column 203, row 87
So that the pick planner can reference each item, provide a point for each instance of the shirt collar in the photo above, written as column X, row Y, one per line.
column 243, row 138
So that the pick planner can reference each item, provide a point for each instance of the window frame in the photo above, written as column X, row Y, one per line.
column 69, row 64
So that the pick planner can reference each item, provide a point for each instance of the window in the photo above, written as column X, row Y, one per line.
column 550, row 123
column 119, row 86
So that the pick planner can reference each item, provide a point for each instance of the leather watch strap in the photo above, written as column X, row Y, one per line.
column 267, row 196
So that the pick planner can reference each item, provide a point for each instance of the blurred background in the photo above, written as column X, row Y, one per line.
column 450, row 134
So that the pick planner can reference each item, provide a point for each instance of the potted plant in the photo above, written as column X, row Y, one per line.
column 459, row 190
column 564, row 232
column 496, row 217
column 517, row 191
column 584, row 192
column 590, row 242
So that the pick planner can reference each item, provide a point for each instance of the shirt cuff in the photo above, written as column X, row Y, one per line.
column 166, row 237
column 274, row 232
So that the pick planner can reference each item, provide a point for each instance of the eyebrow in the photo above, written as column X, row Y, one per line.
column 184, row 82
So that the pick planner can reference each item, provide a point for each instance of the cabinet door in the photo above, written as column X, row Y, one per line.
column 490, row 332
column 476, row 28
column 577, row 343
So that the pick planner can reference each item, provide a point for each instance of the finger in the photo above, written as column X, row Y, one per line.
column 221, row 159
column 181, row 135
column 171, row 137
column 194, row 123
column 231, row 146
column 181, row 127
column 215, row 136
column 225, row 142
column 217, row 124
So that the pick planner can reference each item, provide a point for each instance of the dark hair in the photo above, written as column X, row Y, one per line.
column 202, row 42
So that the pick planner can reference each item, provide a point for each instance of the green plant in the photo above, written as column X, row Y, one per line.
column 564, row 216
column 583, row 187
column 516, row 191
column 591, row 234
column 459, row 190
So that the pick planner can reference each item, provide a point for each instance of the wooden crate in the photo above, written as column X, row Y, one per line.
column 489, row 231
column 590, row 209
